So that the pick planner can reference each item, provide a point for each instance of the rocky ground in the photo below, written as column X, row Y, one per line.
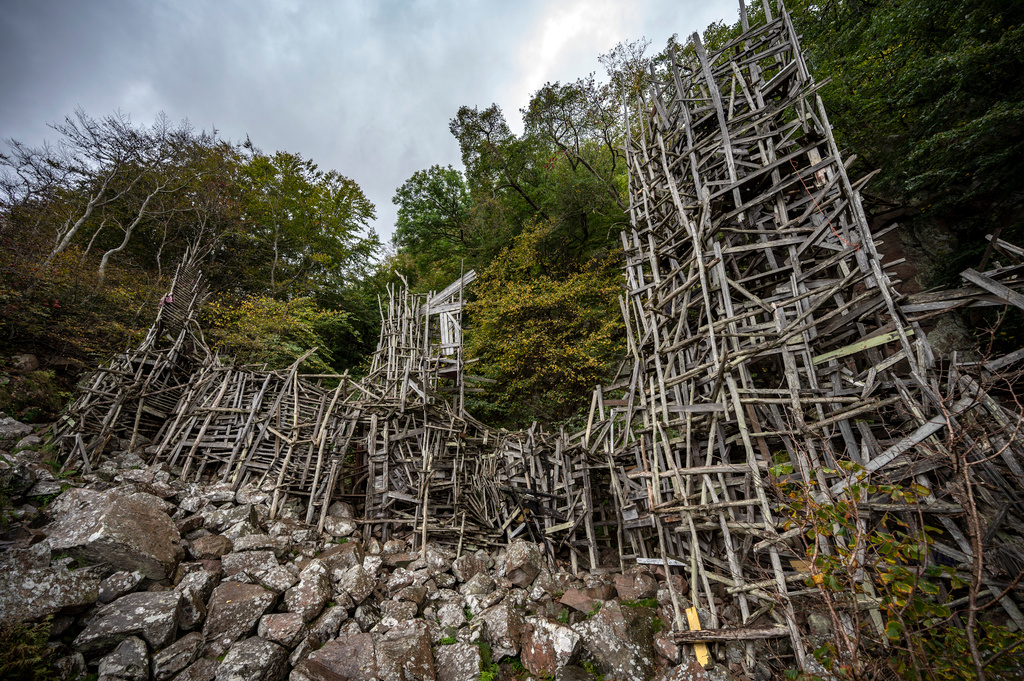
column 145, row 577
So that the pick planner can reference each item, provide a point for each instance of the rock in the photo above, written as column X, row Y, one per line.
column 218, row 493
column 357, row 583
column 522, row 563
column 621, row 640
column 479, row 584
column 250, row 562
column 254, row 659
column 341, row 557
column 683, row 672
column 71, row 666
column 234, row 611
column 341, row 509
column 45, row 488
column 398, row 610
column 339, row 527
column 202, row 669
column 17, row 479
column 177, row 656
column 220, row 519
column 25, row 362
column 575, row 599
column 128, row 662
column 403, row 654
column 11, row 431
column 196, row 588
column 311, row 594
column 285, row 629
column 210, row 547
column 504, row 629
column 30, row 590
column 820, row 623
column 468, row 565
column 151, row 616
column 308, row 645
column 119, row 530
column 439, row 559
column 118, row 584
column 457, row 662
column 366, row 616
column 263, row 542
column 635, row 586
column 351, row 657
column 28, row 442
column 548, row 646
column 327, row 625
column 451, row 614
column 413, row 594
column 278, row 578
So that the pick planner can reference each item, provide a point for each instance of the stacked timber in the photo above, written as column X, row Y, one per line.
column 770, row 351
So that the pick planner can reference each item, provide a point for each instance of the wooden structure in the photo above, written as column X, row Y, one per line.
column 768, row 344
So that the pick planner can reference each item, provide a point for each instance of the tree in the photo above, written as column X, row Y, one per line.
column 546, row 341
column 101, row 175
column 306, row 223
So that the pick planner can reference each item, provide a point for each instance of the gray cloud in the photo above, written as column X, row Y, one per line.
column 366, row 88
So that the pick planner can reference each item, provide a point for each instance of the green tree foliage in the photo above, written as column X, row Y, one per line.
column 929, row 92
column 92, row 226
column 546, row 340
column 262, row 330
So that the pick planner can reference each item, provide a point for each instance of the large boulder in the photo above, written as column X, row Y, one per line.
column 548, row 646
column 357, row 583
column 31, row 589
column 351, row 657
column 234, row 611
column 457, row 662
column 254, row 659
column 523, row 563
column 621, row 640
column 128, row 662
column 311, row 594
column 403, row 653
column 11, row 431
column 285, row 629
column 196, row 588
column 116, row 529
column 177, row 656
column 152, row 616
column 504, row 626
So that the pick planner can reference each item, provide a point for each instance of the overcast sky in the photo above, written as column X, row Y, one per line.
column 364, row 88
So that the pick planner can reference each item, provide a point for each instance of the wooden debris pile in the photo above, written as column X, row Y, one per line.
column 396, row 444
column 769, row 346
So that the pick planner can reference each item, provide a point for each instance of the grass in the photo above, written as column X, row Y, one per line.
column 24, row 653
column 642, row 603
column 448, row 641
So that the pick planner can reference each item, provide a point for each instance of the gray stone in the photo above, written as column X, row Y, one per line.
column 29, row 590
column 403, row 653
column 218, row 493
column 523, row 563
column 220, row 519
column 366, row 616
column 202, row 669
column 308, row 645
column 398, row 610
column 234, row 611
column 327, row 625
column 621, row 640
column 278, row 578
column 357, row 583
column 504, row 626
column 457, row 662
column 477, row 585
column 339, row 527
column 71, row 666
column 119, row 530
column 341, row 509
column 468, row 565
column 150, row 615
column 547, row 646
column 196, row 588
column 351, row 657
column 128, row 662
column 263, row 542
column 311, row 594
column 25, row 362
column 254, row 659
column 11, row 431
column 250, row 562
column 451, row 614
column 340, row 557
column 118, row 584
column 285, row 629
column 177, row 656
column 210, row 547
